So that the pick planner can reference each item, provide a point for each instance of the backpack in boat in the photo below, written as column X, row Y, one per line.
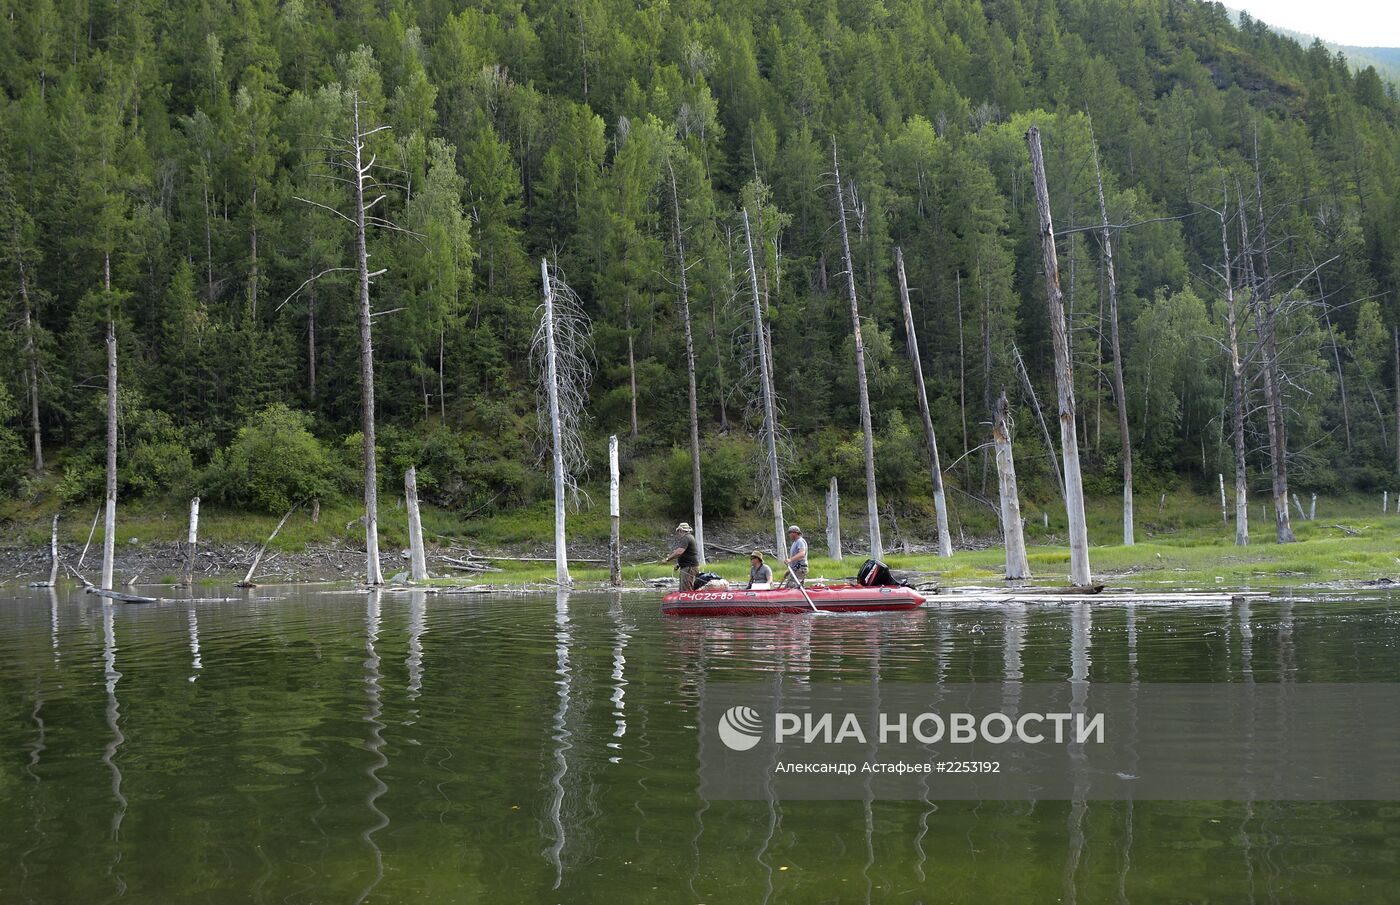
column 705, row 578
column 875, row 574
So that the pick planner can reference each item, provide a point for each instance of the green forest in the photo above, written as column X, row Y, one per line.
column 170, row 169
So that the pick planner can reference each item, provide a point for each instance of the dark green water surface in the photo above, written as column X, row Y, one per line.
column 343, row 747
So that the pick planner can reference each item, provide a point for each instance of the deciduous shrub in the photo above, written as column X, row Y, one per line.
column 274, row 461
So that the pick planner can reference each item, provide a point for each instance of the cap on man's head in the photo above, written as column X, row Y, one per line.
column 757, row 554
column 683, row 528
column 793, row 529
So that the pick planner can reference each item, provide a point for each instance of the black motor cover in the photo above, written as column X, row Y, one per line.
column 875, row 574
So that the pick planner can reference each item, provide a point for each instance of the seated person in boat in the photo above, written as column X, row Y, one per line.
column 760, row 573
column 687, row 557
column 797, row 558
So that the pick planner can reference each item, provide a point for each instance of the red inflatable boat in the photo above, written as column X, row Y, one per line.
column 841, row 598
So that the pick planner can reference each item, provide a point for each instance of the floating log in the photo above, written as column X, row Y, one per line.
column 121, row 596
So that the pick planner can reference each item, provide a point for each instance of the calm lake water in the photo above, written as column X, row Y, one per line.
column 341, row 747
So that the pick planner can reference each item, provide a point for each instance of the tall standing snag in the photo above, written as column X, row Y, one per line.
column 109, row 521
column 872, row 508
column 1017, row 565
column 1064, row 372
column 683, row 298
column 940, row 503
column 1238, row 386
column 558, row 357
column 1266, row 313
column 373, row 575
column 770, row 407
column 355, row 157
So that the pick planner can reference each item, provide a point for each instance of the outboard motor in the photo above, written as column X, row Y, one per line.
column 875, row 574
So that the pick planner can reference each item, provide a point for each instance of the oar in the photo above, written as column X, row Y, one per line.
column 797, row 581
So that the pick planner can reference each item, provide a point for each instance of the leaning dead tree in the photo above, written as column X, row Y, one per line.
column 559, row 360
column 683, row 299
column 940, row 503
column 1017, row 565
column 872, row 508
column 1064, row 373
column 770, row 408
column 1120, row 396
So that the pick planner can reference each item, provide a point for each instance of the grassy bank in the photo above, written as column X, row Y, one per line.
column 1181, row 540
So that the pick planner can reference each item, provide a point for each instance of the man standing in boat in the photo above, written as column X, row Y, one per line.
column 686, row 556
column 797, row 558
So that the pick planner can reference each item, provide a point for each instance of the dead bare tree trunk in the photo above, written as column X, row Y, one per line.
column 872, row 508
column 417, row 558
column 1278, row 440
column 940, row 503
column 247, row 581
column 833, row 521
column 614, row 516
column 1397, row 400
column 1120, row 396
column 191, row 544
column 1265, row 325
column 697, row 504
column 1238, row 387
column 53, row 553
column 373, row 575
column 561, row 554
column 109, row 523
column 1017, row 565
column 770, row 413
column 1064, row 374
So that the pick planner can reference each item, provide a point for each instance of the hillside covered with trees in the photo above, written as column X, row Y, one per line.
column 168, row 168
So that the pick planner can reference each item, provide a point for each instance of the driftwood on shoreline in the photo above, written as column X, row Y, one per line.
column 247, row 581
